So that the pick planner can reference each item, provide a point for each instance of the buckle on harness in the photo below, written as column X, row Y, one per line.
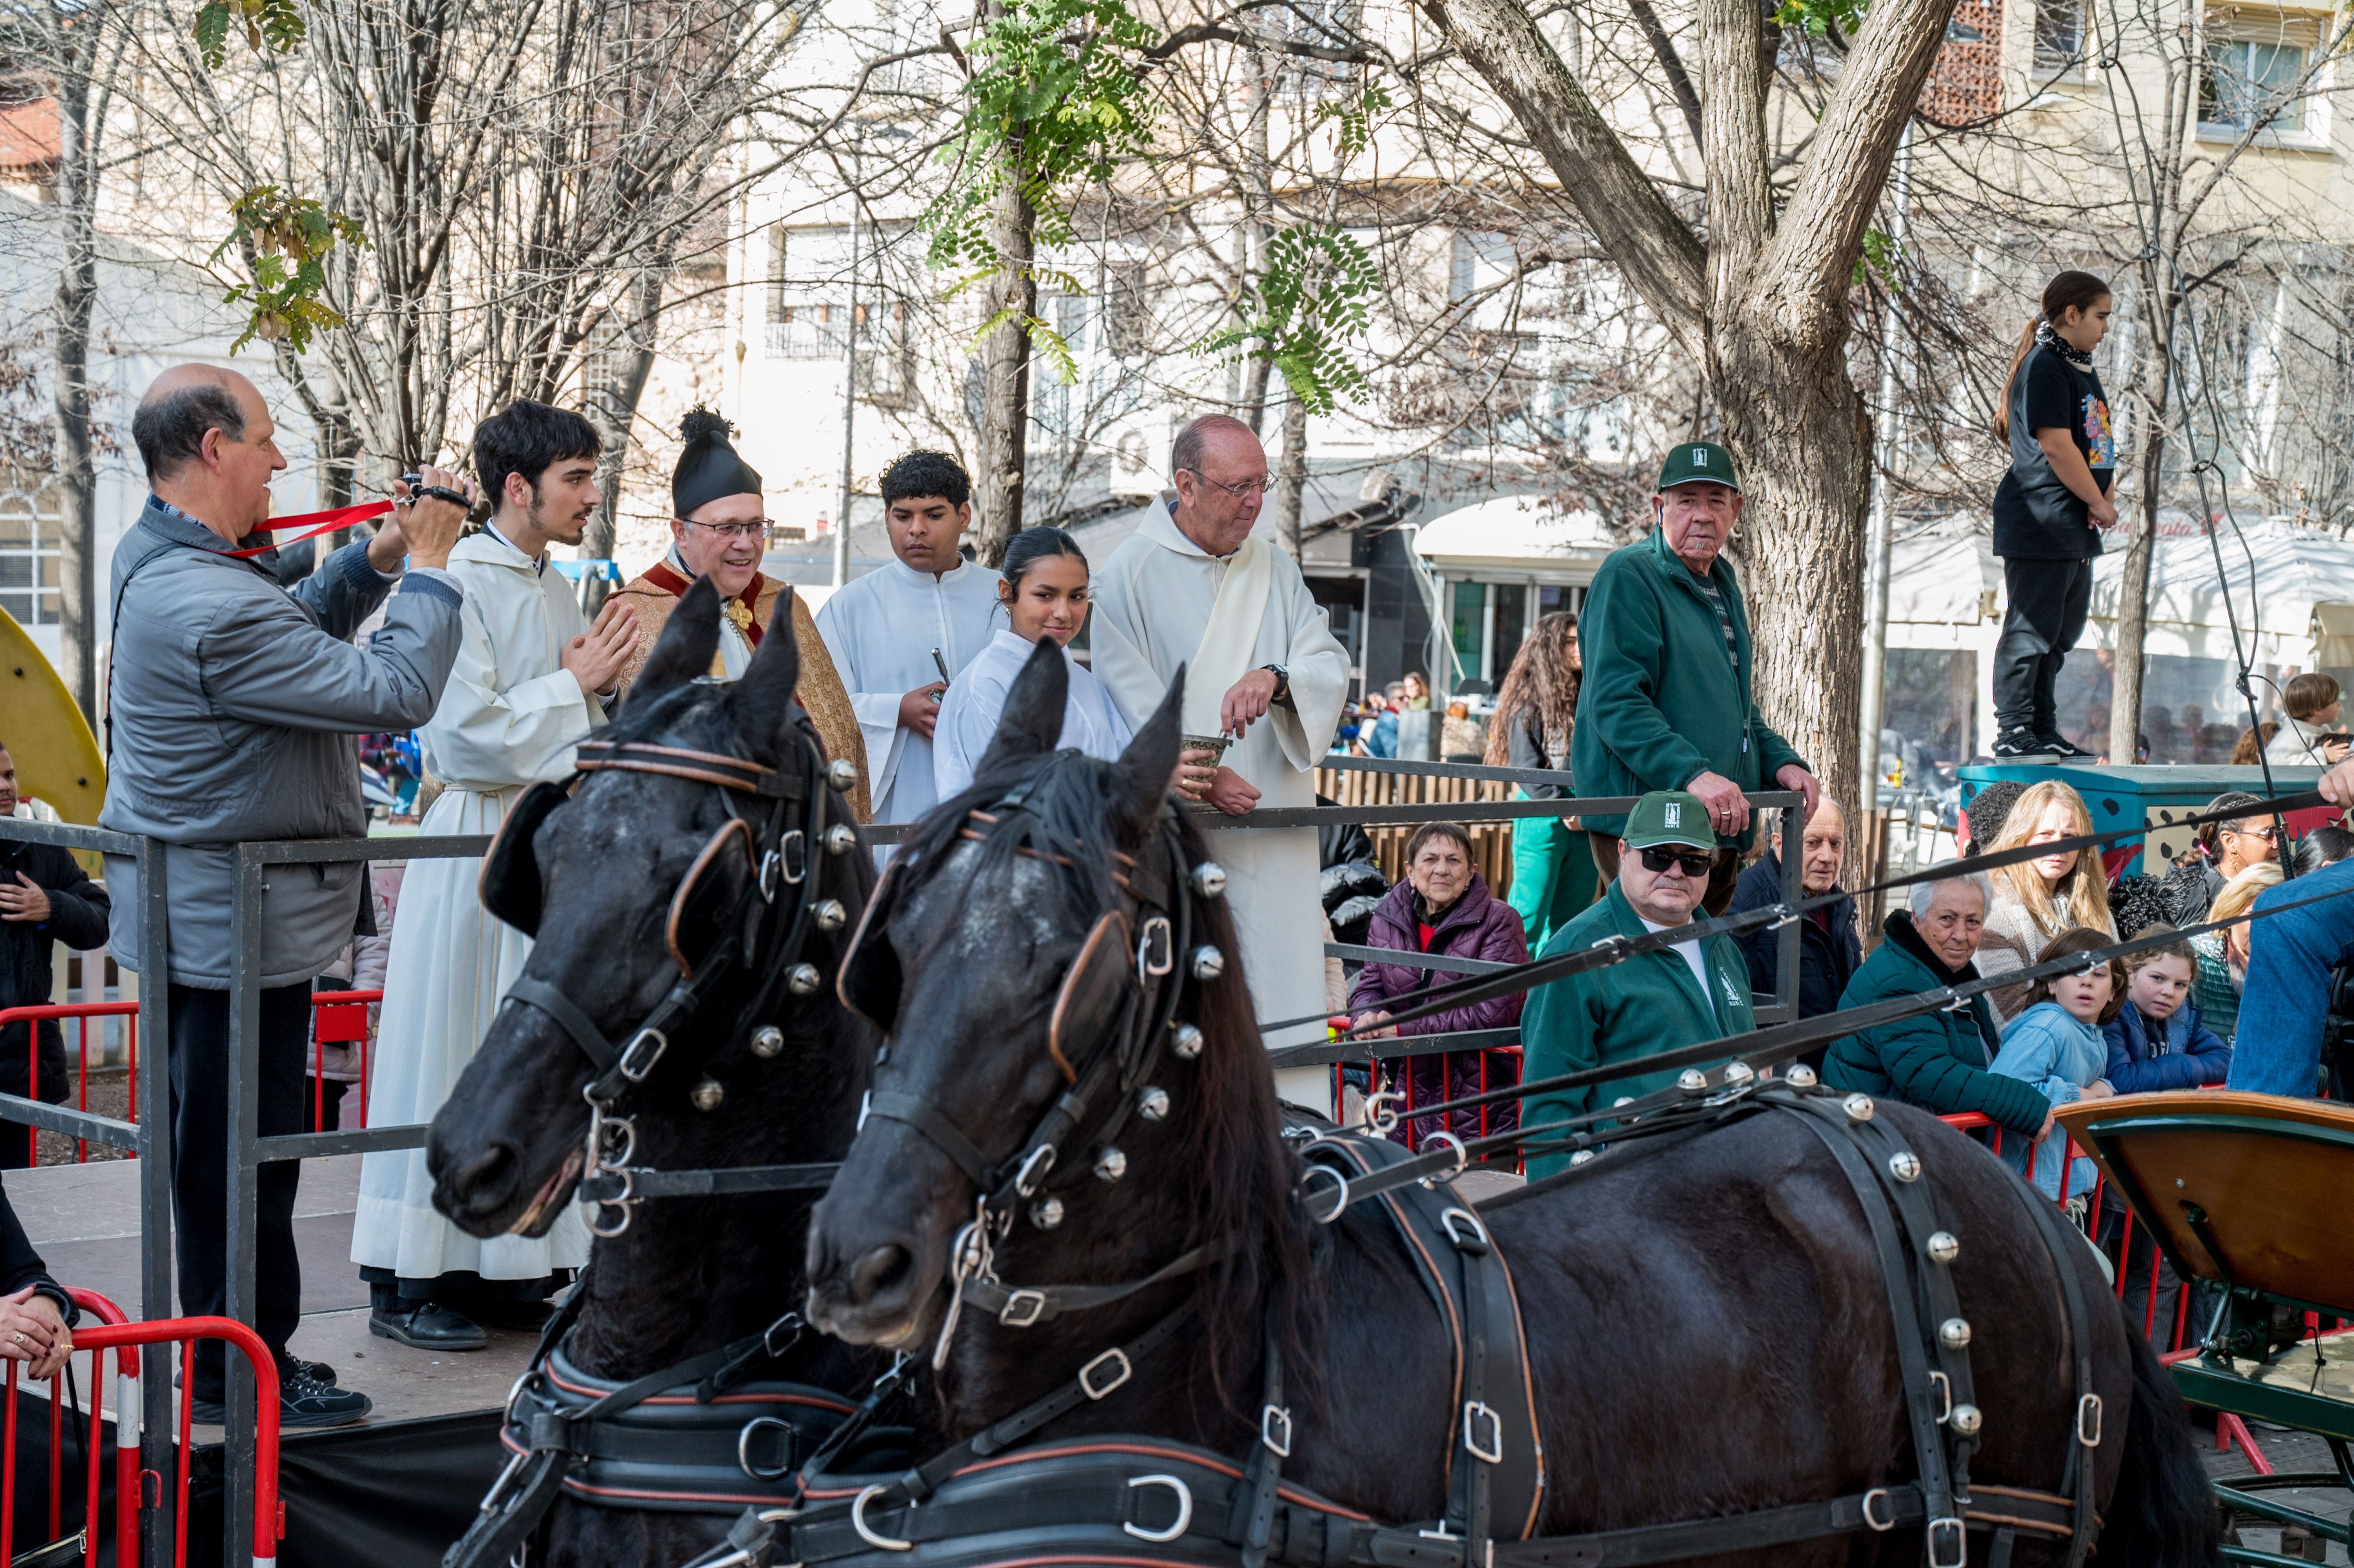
column 1121, row 1371
column 2088, row 1421
column 1024, row 1308
column 1881, row 1526
column 1185, row 1508
column 1458, row 1220
column 866, row 1532
column 1035, row 1167
column 1949, row 1530
column 1945, row 1386
column 1156, row 950
column 1272, row 1419
column 792, row 1320
column 1492, row 1451
column 744, row 1449
column 631, row 1066
column 1462, row 1159
column 1340, row 1192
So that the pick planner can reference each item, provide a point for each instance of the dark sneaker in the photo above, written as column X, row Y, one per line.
column 429, row 1326
column 2023, row 746
column 317, row 1372
column 2065, row 750
column 304, row 1402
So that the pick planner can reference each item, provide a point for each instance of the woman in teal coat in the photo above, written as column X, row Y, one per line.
column 1554, row 876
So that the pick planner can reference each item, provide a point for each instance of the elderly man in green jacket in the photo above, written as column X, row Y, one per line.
column 1654, row 1001
column 1666, row 702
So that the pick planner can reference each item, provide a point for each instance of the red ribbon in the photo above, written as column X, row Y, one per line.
column 321, row 523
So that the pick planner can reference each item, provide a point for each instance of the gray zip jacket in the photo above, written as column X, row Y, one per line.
column 231, row 707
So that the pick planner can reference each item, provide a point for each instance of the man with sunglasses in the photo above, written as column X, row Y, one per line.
column 1641, row 1006
column 718, row 528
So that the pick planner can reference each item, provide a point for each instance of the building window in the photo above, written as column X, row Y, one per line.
column 29, row 541
column 807, row 332
column 2059, row 35
column 2256, row 69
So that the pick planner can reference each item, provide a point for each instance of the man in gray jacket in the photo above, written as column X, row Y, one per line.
column 231, row 708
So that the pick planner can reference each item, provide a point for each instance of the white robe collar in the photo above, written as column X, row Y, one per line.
column 513, row 554
column 908, row 574
column 1160, row 525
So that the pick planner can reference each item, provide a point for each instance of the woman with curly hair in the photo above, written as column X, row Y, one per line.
column 1553, row 875
column 2036, row 900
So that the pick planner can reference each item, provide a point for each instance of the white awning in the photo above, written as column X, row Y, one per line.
column 1517, row 535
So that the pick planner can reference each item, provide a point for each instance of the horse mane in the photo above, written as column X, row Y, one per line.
column 1075, row 806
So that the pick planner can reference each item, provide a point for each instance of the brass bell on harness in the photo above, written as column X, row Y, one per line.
column 842, row 775
column 1046, row 1212
column 1954, row 1333
column 1582, row 1157
column 1858, row 1107
column 1691, row 1080
column 1111, row 1165
column 1152, row 1104
column 1966, row 1420
column 839, row 839
column 1800, row 1077
column 1942, row 1248
column 1904, row 1165
column 803, row 979
column 707, row 1094
column 830, row 915
column 1209, row 879
column 1186, row 1041
column 1208, row 963
column 766, row 1041
column 1738, row 1073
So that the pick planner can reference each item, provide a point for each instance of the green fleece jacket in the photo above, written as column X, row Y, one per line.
column 1622, row 1012
column 1660, row 703
column 1938, row 1061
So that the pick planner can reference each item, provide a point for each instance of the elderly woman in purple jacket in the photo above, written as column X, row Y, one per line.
column 1444, row 908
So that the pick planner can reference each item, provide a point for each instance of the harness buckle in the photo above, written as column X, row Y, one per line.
column 1122, row 1370
column 629, row 1065
column 1024, row 1308
column 744, row 1449
column 1340, row 1192
column 769, row 1345
column 2088, row 1421
column 1948, row 1531
column 1272, row 1419
column 1462, row 1159
column 1464, row 1229
column 1879, row 1526
column 1492, row 1451
column 626, row 1202
column 792, row 857
column 1185, row 1508
column 1945, row 1386
column 1035, row 1167
column 1156, row 948
column 866, row 1532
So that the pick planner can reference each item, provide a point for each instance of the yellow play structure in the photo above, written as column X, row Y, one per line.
column 56, row 754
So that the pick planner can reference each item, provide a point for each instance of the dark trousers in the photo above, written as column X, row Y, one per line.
column 1721, row 877
column 200, row 1058
column 2049, row 600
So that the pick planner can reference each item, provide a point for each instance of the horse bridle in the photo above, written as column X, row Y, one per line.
column 727, row 914
column 1126, row 995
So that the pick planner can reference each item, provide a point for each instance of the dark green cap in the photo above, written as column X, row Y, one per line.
column 1698, row 462
column 1669, row 817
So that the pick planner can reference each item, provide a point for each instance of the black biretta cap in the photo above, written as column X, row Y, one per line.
column 708, row 468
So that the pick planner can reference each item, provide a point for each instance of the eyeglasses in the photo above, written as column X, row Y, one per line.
column 1238, row 491
column 1657, row 861
column 2270, row 835
column 732, row 530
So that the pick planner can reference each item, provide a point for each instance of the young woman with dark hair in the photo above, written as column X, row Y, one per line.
column 2050, row 510
column 1554, row 876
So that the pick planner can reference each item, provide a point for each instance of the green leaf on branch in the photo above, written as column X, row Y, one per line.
column 1315, row 300
column 1879, row 259
column 285, row 240
column 1355, row 118
column 276, row 24
column 1044, row 339
column 1817, row 17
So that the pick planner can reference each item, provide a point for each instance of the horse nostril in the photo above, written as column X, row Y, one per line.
column 493, row 1167
column 878, row 1270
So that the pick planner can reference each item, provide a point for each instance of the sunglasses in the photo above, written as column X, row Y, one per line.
column 1697, row 865
column 2269, row 835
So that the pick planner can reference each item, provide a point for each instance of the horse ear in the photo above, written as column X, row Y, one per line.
column 763, row 699
column 1152, row 757
column 1033, row 720
column 685, row 649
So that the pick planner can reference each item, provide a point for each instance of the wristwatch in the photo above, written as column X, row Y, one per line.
column 1282, row 682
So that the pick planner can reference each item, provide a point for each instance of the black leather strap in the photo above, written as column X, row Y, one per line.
column 1038, row 1304
column 2076, row 1473
column 944, row 1134
column 1263, row 1480
column 1686, row 1539
column 638, row 1182
column 570, row 1018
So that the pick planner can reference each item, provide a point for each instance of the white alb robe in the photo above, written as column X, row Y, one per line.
column 975, row 700
column 509, row 717
column 880, row 630
column 1153, row 601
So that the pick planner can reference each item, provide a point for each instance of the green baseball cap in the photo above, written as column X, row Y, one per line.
column 1669, row 817
column 1698, row 462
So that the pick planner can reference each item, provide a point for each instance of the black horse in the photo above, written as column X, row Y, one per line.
column 1708, row 1328
column 687, row 1275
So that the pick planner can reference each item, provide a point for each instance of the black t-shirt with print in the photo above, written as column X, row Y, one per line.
column 2037, row 517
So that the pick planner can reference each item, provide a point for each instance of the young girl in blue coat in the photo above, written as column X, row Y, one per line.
column 2057, row 1046
column 2157, row 1041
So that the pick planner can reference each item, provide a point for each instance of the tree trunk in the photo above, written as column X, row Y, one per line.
column 1257, row 232
column 2132, row 587
column 616, row 416
column 1005, row 402
column 77, row 477
column 1291, row 473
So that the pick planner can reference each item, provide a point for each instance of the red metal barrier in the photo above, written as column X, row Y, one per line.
column 32, row 1018
column 338, row 1018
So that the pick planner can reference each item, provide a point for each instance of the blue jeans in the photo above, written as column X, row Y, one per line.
column 2277, row 1048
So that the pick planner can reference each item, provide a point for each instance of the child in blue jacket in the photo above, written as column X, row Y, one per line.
column 2056, row 1044
column 2157, row 1041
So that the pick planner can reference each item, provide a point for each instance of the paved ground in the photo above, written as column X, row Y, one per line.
column 2285, row 1452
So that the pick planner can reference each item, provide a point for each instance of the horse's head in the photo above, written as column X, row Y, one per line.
column 645, row 890
column 1031, row 952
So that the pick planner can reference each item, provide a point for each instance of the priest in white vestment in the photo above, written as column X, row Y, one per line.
column 900, row 634
column 525, row 691
column 1195, row 588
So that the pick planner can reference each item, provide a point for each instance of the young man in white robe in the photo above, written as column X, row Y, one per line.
column 533, row 680
column 1196, row 588
column 900, row 634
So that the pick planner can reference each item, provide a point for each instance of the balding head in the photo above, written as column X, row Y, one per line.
column 1213, row 459
column 205, row 436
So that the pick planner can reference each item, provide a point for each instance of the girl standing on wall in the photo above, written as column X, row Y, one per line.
column 2050, row 511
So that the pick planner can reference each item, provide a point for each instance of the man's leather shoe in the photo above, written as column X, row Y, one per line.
column 429, row 1326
